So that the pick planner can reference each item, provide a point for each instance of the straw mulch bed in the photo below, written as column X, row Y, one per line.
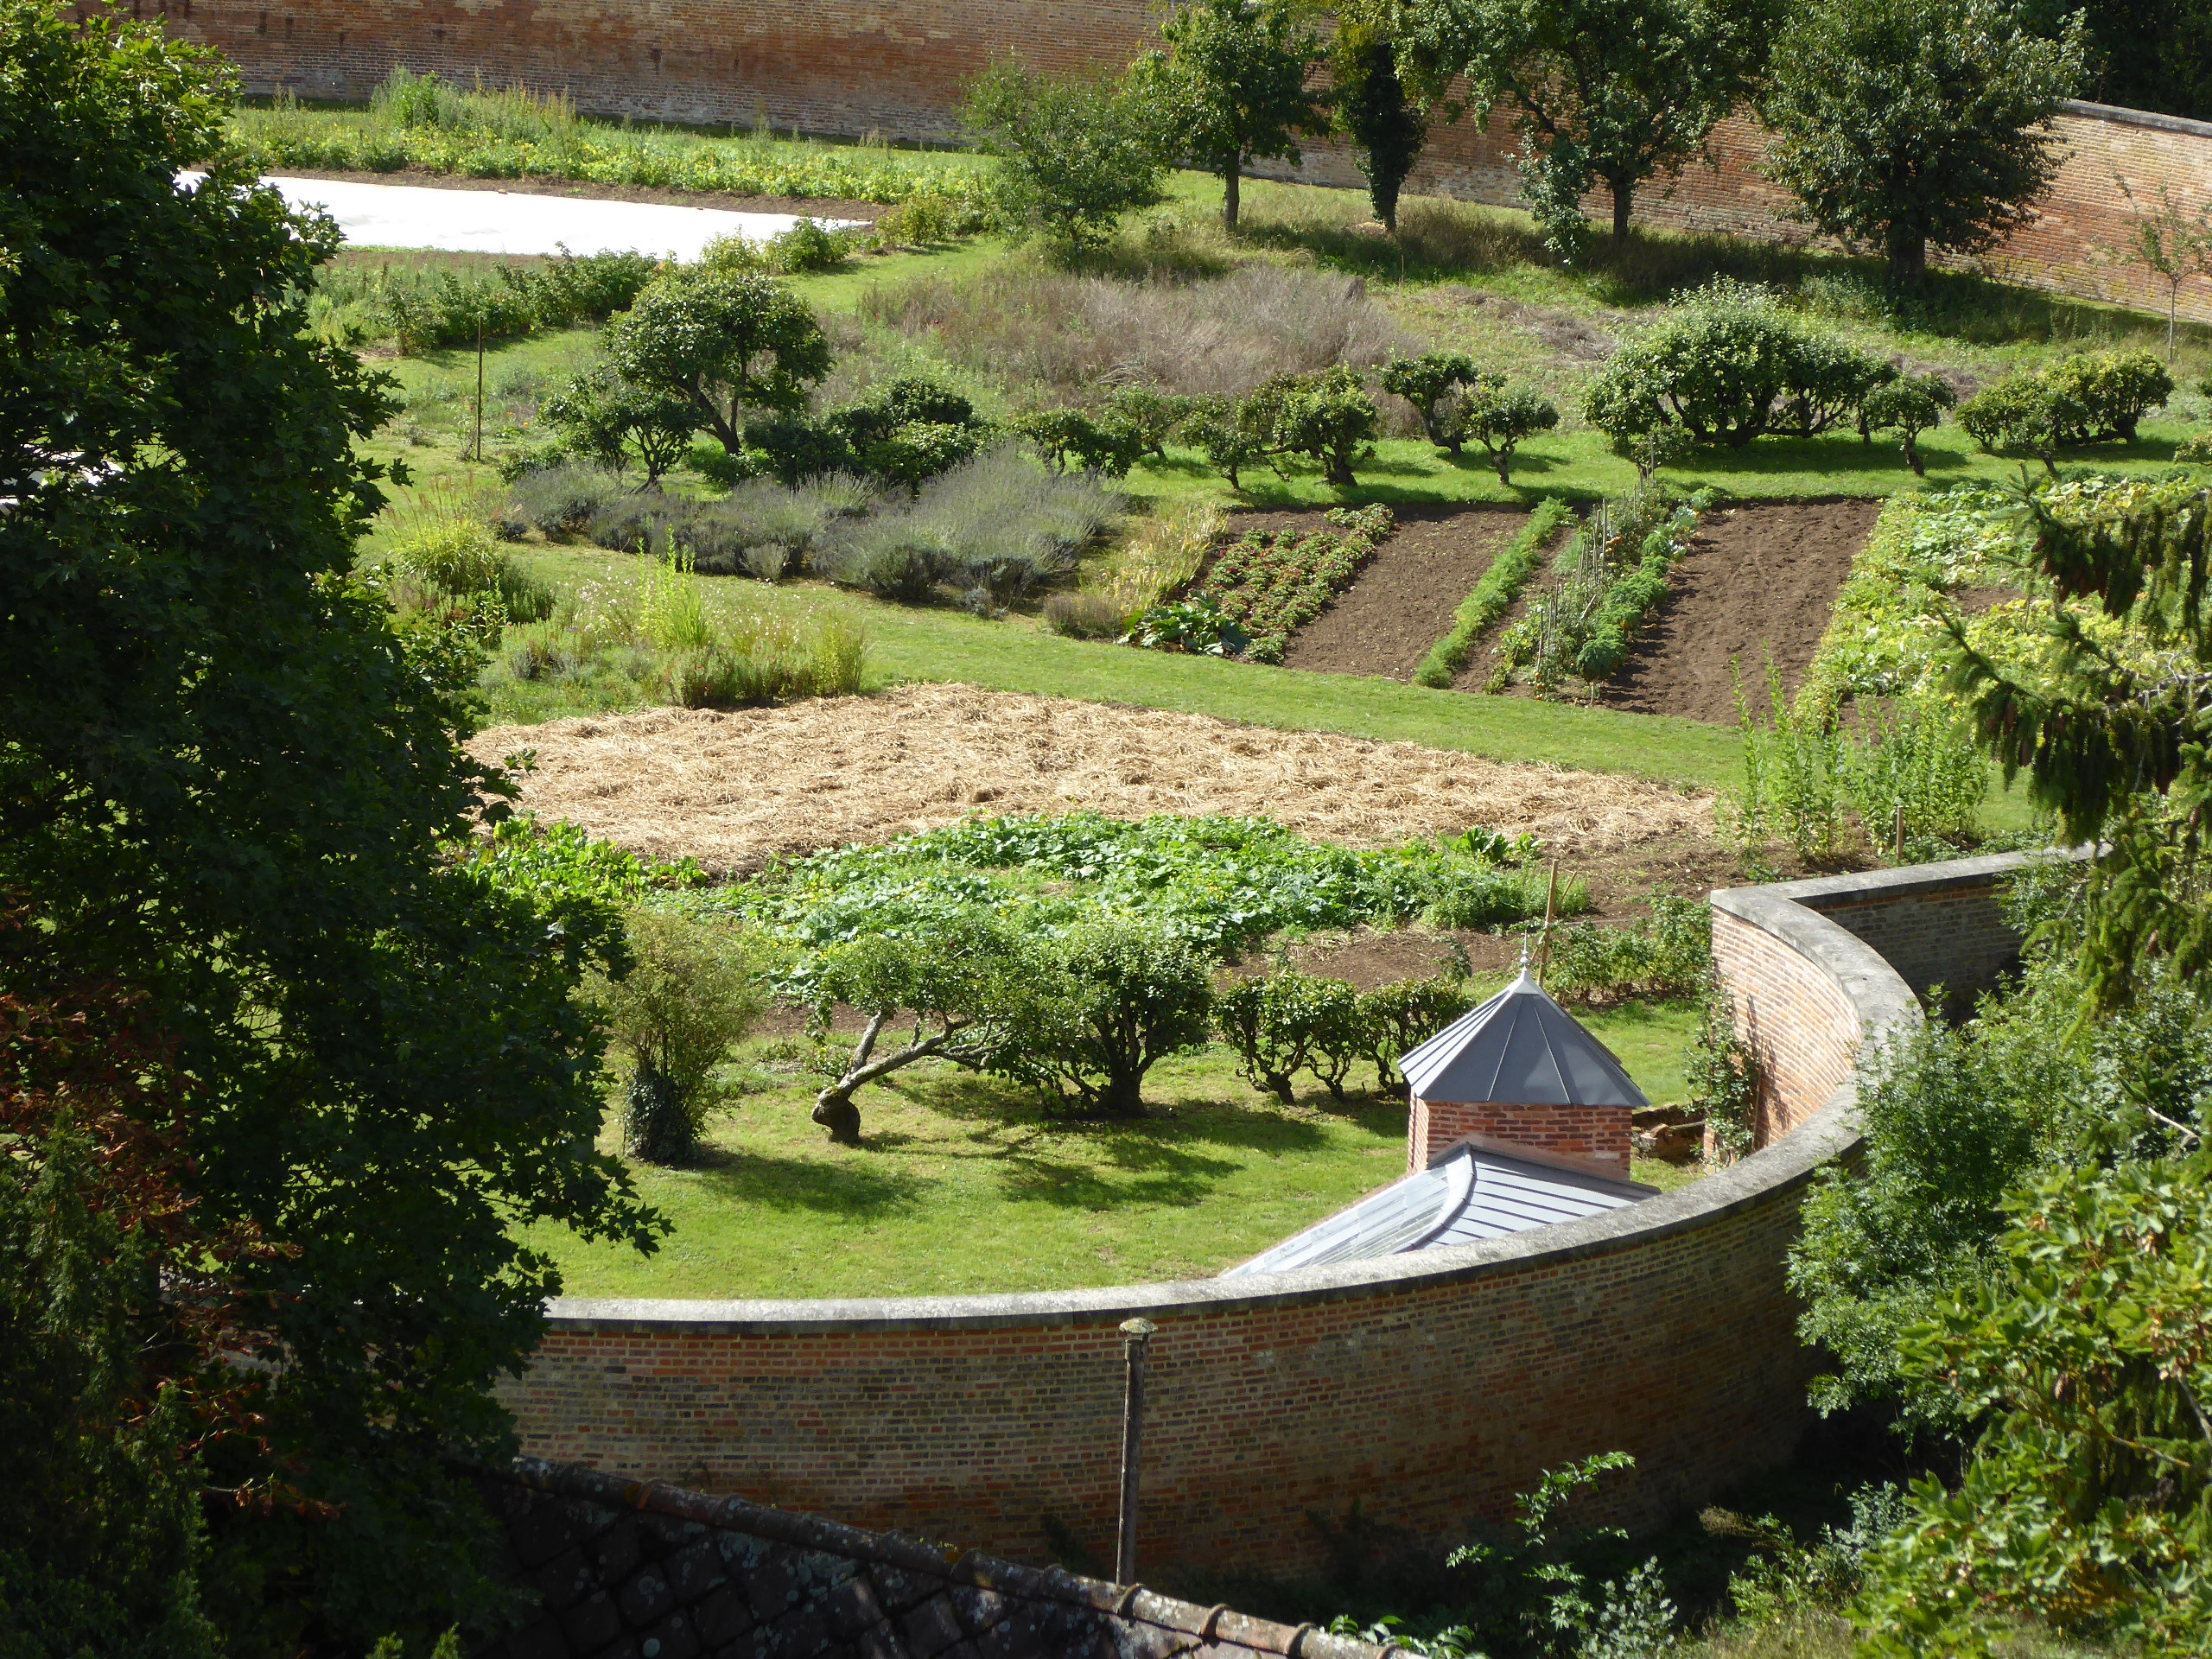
column 733, row 789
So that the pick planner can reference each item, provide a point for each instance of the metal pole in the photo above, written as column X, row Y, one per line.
column 480, row 389
column 1136, row 1335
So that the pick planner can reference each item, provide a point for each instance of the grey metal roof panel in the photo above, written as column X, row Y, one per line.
column 1470, row 1193
column 1523, row 1049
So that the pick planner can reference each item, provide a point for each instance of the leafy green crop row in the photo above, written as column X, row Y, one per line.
column 1493, row 595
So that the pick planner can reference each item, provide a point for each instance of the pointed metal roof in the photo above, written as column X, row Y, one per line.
column 1468, row 1194
column 1522, row 1049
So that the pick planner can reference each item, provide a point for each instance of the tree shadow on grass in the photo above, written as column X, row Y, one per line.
column 848, row 1186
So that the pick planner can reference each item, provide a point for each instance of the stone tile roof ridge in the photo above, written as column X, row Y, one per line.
column 1145, row 1622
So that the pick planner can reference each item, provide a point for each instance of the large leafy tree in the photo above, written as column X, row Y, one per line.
column 1610, row 92
column 1907, row 124
column 226, row 783
column 1232, row 87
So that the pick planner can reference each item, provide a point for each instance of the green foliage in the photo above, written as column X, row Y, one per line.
column 1915, row 775
column 1436, row 383
column 2086, row 1348
column 912, row 430
column 1721, row 1070
column 1906, row 124
column 1729, row 364
column 1218, row 882
column 546, row 862
column 453, row 554
column 607, row 419
column 1669, row 954
column 1786, row 1579
column 1493, row 595
column 513, row 134
column 1531, row 1589
column 1487, row 896
column 1267, row 588
column 1198, row 627
column 1502, row 420
column 1612, row 573
column 1327, row 417
column 2085, row 399
column 807, row 247
column 1794, row 771
column 1073, row 155
column 1285, row 1022
column 1385, row 120
column 421, row 309
column 1230, row 89
column 1910, row 405
column 963, row 976
column 689, row 995
column 1400, row 1017
column 1602, row 92
column 226, row 778
column 1104, row 448
column 1121, row 995
column 732, row 345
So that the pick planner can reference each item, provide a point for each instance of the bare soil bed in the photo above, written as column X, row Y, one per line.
column 1404, row 601
column 736, row 789
column 1758, row 579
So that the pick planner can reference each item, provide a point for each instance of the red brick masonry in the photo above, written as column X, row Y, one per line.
column 896, row 67
column 1599, row 1134
column 1428, row 1388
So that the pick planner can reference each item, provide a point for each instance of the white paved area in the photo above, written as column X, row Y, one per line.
column 494, row 221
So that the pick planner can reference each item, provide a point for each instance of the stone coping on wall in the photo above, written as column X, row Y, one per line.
column 1789, row 912
column 2118, row 115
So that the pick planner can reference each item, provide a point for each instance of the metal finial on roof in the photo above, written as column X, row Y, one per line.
column 1520, row 1048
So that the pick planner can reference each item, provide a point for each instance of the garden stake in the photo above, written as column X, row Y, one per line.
column 479, row 389
column 1900, row 832
column 1544, row 940
column 1136, row 1335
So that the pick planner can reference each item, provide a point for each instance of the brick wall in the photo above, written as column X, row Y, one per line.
column 891, row 66
column 1429, row 1389
column 1597, row 1133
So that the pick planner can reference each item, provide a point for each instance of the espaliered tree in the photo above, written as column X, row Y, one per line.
column 230, row 791
column 1607, row 92
column 1232, row 87
column 1908, row 124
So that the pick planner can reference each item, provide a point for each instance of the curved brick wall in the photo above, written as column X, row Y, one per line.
column 896, row 67
column 1427, row 1389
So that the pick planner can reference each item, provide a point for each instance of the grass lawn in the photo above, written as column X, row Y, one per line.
column 964, row 1186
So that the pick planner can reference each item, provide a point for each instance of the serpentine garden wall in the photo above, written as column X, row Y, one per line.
column 1428, row 1387
column 848, row 69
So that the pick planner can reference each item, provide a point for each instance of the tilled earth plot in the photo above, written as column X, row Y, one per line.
column 736, row 789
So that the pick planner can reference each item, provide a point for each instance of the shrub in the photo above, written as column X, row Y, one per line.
column 997, row 525
column 1287, row 1022
column 1198, row 626
column 759, row 528
column 1073, row 156
column 1729, row 364
column 1493, row 595
column 1437, row 385
column 739, row 347
column 457, row 556
column 2086, row 398
column 1398, row 1018
column 1669, row 954
column 1105, row 449
column 1912, row 404
column 605, row 419
column 422, row 306
column 1231, row 433
column 913, row 430
column 807, row 247
column 1793, row 776
column 554, row 500
column 1500, row 421
column 1150, row 417
column 689, row 995
column 1326, row 417
column 1083, row 616
column 1124, row 995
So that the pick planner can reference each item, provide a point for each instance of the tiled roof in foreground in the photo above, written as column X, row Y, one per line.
column 1468, row 1193
column 630, row 1570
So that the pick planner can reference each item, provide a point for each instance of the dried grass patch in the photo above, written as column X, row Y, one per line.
column 735, row 789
